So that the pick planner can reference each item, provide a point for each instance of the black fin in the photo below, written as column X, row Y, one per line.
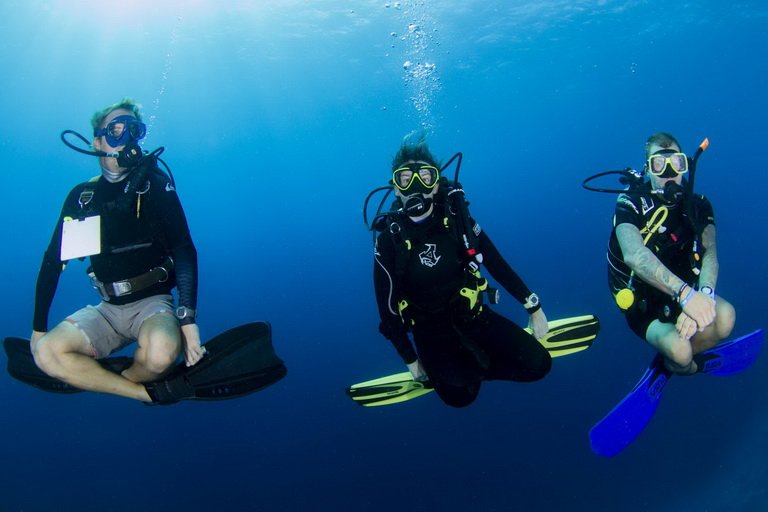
column 22, row 367
column 238, row 362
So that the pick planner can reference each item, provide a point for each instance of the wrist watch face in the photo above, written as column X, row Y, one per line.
column 532, row 300
column 184, row 312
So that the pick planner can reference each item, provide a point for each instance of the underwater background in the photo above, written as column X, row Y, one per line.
column 278, row 117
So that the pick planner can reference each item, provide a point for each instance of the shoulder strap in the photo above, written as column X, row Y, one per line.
column 86, row 196
column 458, row 205
column 692, row 212
column 400, row 241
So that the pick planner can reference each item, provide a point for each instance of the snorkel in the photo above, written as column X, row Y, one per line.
column 696, row 256
column 692, row 165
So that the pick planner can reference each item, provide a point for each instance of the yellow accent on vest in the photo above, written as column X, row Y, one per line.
column 626, row 296
column 401, row 307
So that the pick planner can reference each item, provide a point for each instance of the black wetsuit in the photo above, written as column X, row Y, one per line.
column 457, row 350
column 131, row 246
column 672, row 243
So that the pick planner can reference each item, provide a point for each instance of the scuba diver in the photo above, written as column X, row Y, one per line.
column 131, row 225
column 662, row 257
column 427, row 282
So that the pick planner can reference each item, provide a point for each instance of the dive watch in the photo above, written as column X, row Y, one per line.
column 532, row 303
column 185, row 315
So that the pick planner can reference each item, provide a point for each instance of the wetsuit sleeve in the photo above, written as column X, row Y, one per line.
column 185, row 261
column 50, row 269
column 176, row 233
column 501, row 271
column 385, row 286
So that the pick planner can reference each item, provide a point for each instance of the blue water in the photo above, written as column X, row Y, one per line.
column 277, row 118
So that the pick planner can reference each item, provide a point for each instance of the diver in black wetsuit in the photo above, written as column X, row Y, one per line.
column 662, row 261
column 129, row 221
column 427, row 283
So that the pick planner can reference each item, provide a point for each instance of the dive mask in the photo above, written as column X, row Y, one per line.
column 122, row 130
column 659, row 163
column 426, row 175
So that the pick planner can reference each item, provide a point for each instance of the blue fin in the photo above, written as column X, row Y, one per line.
column 731, row 357
column 628, row 419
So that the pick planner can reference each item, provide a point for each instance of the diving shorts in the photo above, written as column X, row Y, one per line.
column 656, row 306
column 110, row 327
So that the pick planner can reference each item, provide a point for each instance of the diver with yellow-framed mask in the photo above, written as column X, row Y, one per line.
column 662, row 257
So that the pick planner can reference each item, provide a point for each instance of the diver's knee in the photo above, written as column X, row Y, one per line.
column 158, row 361
column 535, row 372
column 725, row 319
column 47, row 357
column 681, row 354
column 161, row 353
column 458, row 397
column 459, row 402
column 544, row 368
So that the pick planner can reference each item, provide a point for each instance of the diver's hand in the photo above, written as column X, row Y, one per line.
column 538, row 324
column 686, row 326
column 193, row 350
column 701, row 309
column 36, row 335
column 417, row 371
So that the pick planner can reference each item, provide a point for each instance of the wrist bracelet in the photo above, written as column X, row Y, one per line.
column 687, row 297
